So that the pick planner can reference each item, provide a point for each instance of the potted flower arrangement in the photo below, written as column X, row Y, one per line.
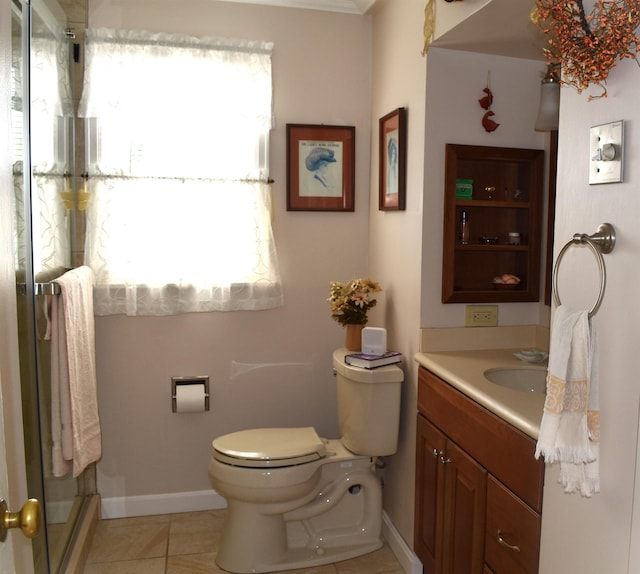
column 350, row 303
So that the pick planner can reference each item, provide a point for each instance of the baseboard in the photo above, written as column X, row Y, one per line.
column 169, row 503
column 405, row 556
column 58, row 512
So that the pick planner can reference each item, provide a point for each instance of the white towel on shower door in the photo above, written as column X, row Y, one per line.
column 77, row 438
column 60, row 397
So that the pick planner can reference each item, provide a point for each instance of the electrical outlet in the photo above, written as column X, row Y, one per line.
column 481, row 316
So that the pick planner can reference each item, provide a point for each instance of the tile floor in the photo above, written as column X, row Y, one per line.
column 186, row 544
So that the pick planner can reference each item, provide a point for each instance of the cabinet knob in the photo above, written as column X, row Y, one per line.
column 504, row 543
column 440, row 454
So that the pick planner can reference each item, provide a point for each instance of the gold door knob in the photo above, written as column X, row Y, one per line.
column 28, row 519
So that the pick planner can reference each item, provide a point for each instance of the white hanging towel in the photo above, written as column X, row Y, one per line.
column 570, row 427
column 76, row 435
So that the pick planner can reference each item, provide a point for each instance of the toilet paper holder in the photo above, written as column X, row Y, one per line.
column 197, row 380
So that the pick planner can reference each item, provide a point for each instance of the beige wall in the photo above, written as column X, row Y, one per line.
column 399, row 73
column 321, row 69
column 594, row 535
column 455, row 81
column 440, row 92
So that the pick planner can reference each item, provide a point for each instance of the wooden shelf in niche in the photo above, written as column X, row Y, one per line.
column 507, row 197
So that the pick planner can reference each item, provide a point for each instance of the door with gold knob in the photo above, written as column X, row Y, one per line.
column 15, row 552
column 12, row 481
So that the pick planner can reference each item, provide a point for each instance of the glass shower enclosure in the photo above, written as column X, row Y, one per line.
column 42, row 123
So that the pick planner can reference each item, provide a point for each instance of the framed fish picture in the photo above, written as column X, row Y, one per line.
column 320, row 167
column 393, row 160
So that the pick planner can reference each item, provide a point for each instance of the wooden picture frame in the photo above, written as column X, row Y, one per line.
column 320, row 167
column 393, row 161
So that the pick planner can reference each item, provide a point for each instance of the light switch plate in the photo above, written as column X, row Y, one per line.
column 606, row 153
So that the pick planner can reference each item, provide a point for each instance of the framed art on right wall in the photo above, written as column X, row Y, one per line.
column 393, row 160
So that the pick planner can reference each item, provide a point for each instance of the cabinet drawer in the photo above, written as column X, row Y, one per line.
column 512, row 521
column 503, row 450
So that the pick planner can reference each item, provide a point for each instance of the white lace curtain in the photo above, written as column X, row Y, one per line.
column 179, row 213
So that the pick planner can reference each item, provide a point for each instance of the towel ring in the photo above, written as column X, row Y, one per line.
column 602, row 241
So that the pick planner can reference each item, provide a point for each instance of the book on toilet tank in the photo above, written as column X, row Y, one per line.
column 367, row 361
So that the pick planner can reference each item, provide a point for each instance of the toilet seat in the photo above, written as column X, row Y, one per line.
column 269, row 447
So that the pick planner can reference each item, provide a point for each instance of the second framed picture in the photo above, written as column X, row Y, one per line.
column 320, row 167
column 393, row 160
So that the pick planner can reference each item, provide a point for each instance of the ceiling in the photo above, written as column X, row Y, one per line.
column 501, row 27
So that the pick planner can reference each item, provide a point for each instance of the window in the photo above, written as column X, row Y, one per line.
column 179, row 212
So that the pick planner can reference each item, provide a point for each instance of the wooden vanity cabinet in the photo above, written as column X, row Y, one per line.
column 478, row 487
column 507, row 198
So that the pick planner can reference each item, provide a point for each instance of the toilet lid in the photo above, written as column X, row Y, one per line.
column 271, row 447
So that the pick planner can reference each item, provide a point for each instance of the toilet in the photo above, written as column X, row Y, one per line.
column 297, row 500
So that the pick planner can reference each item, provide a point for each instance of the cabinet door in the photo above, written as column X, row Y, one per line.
column 513, row 532
column 464, row 513
column 430, row 447
column 503, row 450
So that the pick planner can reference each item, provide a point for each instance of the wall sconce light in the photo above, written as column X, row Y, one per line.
column 549, row 110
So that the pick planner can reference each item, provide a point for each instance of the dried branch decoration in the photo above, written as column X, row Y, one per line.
column 588, row 46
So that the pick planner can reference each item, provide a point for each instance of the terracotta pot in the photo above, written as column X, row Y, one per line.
column 353, row 337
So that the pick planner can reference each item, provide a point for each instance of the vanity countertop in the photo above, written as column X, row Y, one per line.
column 464, row 370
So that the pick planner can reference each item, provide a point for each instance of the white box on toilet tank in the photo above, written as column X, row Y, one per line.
column 374, row 341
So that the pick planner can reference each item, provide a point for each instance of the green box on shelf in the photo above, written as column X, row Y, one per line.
column 464, row 188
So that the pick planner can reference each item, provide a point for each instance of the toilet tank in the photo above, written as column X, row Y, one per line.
column 368, row 406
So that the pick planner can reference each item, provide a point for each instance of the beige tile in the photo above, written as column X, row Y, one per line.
column 147, row 566
column 136, row 521
column 193, row 564
column 326, row 569
column 189, row 541
column 129, row 542
column 202, row 515
column 195, row 532
column 381, row 561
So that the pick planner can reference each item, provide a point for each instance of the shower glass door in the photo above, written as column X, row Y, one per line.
column 42, row 126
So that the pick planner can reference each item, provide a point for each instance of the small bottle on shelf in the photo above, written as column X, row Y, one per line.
column 513, row 238
column 464, row 228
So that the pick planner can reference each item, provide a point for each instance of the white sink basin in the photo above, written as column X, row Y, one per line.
column 526, row 380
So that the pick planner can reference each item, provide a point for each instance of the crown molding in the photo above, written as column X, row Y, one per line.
column 344, row 6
